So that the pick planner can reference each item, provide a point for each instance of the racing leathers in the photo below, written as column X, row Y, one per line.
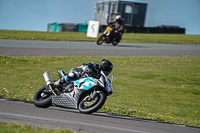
column 119, row 28
column 91, row 69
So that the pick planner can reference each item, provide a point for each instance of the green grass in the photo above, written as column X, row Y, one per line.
column 162, row 88
column 75, row 36
column 22, row 128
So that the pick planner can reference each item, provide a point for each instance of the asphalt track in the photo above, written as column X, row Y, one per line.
column 61, row 48
column 55, row 117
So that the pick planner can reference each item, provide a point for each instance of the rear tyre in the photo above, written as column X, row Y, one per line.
column 42, row 102
column 89, row 106
column 101, row 39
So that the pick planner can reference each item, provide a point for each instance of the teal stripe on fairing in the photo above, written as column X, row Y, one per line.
column 86, row 80
column 87, row 87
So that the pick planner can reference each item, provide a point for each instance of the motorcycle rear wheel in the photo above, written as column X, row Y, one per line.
column 41, row 102
column 101, row 39
column 88, row 107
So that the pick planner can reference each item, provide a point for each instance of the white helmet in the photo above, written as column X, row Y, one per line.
column 118, row 17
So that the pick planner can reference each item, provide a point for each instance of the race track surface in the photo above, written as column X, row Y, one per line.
column 55, row 117
column 60, row 48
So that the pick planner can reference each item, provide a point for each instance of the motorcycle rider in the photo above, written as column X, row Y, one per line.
column 119, row 26
column 91, row 69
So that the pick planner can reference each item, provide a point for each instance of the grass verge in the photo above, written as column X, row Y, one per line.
column 22, row 128
column 75, row 36
column 161, row 88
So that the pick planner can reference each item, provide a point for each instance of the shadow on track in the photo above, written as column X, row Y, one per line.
column 127, row 46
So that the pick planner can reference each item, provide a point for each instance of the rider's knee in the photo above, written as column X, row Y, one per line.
column 73, row 75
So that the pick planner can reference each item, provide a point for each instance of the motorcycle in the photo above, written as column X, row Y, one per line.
column 88, row 94
column 110, row 35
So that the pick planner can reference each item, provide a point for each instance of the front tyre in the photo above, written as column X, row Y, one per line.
column 42, row 101
column 115, row 41
column 87, row 106
column 101, row 39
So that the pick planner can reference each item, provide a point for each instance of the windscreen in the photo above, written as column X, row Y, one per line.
column 110, row 77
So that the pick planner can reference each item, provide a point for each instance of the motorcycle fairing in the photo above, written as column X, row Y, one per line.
column 68, row 100
column 86, row 83
column 108, row 83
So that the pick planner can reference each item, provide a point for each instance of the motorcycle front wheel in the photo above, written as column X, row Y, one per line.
column 115, row 41
column 42, row 101
column 87, row 106
column 101, row 39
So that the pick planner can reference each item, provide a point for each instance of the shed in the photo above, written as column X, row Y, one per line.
column 132, row 12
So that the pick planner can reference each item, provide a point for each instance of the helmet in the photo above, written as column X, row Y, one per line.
column 106, row 66
column 118, row 17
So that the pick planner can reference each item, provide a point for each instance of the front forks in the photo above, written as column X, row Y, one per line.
column 92, row 96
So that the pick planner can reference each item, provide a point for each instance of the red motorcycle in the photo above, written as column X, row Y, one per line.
column 110, row 35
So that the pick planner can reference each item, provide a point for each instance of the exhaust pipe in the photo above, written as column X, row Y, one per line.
column 47, row 78
column 48, row 81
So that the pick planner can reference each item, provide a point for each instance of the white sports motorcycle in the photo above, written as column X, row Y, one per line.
column 88, row 94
